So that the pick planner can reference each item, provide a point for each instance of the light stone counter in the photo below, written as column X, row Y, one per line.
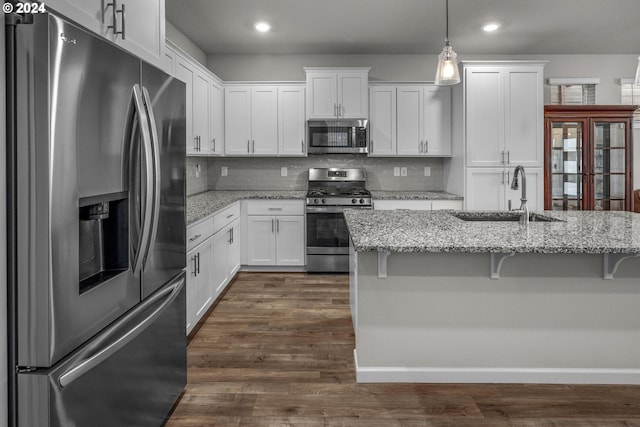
column 203, row 204
column 435, row 298
column 414, row 195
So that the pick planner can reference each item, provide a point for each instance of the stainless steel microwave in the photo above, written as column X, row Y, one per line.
column 338, row 136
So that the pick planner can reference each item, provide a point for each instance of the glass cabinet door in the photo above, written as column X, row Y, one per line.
column 566, row 165
column 609, row 174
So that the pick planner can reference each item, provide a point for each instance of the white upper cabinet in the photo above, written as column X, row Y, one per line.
column 291, row 121
column 490, row 189
column 200, row 112
column 504, row 110
column 251, row 125
column 337, row 93
column 216, row 118
column 185, row 72
column 382, row 126
column 410, row 120
column 136, row 25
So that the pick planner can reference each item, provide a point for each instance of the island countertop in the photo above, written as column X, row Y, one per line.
column 585, row 232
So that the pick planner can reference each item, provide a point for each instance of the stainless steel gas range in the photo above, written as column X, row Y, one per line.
column 331, row 190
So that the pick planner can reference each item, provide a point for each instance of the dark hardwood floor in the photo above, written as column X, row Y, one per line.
column 277, row 350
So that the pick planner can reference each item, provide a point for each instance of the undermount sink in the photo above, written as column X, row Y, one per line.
column 502, row 216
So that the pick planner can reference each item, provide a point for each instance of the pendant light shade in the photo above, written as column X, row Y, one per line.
column 638, row 72
column 447, row 72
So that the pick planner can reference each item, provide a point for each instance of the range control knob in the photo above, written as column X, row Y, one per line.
column 361, row 200
column 324, row 200
column 315, row 200
column 354, row 200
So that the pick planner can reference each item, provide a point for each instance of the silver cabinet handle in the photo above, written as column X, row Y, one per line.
column 508, row 157
column 194, row 273
column 198, row 259
column 230, row 216
column 302, row 142
column 124, row 24
column 248, row 146
column 420, row 149
column 502, row 157
column 277, row 225
column 196, row 237
column 273, row 225
column 371, row 146
column 253, row 143
column 214, row 145
column 335, row 110
column 114, row 12
column 275, row 209
column 426, row 146
column 502, row 177
column 230, row 236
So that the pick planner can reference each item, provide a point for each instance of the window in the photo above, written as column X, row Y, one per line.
column 573, row 91
column 630, row 95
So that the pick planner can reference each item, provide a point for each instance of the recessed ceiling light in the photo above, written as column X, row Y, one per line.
column 491, row 27
column 263, row 27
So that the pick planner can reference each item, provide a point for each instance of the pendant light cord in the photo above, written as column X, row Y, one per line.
column 446, row 31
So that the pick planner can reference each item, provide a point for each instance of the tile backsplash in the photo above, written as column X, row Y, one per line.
column 265, row 173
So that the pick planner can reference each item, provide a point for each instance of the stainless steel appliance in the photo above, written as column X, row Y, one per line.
column 96, row 173
column 338, row 136
column 330, row 191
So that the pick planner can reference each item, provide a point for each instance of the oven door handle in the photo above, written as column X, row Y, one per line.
column 333, row 209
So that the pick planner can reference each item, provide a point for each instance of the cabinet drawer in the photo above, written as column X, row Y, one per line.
column 226, row 216
column 275, row 207
column 199, row 232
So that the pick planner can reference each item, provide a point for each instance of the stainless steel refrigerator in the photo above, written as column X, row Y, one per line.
column 96, row 224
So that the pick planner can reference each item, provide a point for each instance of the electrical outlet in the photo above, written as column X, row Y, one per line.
column 427, row 171
column 396, row 171
column 283, row 171
column 224, row 171
column 197, row 170
column 403, row 171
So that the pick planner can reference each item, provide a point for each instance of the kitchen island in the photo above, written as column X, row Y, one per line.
column 437, row 296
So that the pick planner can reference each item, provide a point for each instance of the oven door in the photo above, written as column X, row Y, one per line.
column 327, row 231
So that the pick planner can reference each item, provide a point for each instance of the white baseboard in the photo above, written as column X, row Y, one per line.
column 494, row 375
column 273, row 269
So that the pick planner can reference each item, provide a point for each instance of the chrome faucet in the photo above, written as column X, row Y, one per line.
column 524, row 217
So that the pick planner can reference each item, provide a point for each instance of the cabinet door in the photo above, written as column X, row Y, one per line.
column 524, row 127
column 264, row 120
column 192, row 288
column 261, row 241
column 291, row 121
column 216, row 119
column 237, row 121
column 322, row 97
column 353, row 95
column 233, row 250
column 410, row 114
column 185, row 72
column 219, row 261
column 290, row 247
column 382, row 128
column 199, row 289
column 485, row 189
column 201, row 112
column 484, row 104
column 437, row 121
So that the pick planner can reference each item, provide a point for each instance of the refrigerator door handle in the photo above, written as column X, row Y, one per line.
column 155, row 155
column 139, row 253
column 123, row 333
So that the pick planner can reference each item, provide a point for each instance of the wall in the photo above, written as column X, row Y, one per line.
column 180, row 40
column 264, row 173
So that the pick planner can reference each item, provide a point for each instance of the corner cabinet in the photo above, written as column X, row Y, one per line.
column 588, row 157
column 337, row 93
column 137, row 26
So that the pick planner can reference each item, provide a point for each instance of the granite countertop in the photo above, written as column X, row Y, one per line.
column 586, row 232
column 203, row 204
column 414, row 195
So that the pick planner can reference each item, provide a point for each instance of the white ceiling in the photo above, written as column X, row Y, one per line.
column 410, row 26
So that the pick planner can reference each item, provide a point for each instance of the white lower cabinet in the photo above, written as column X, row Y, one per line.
column 422, row 205
column 213, row 258
column 490, row 189
column 199, row 291
column 275, row 233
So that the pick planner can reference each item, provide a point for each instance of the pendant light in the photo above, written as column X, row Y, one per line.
column 638, row 72
column 447, row 73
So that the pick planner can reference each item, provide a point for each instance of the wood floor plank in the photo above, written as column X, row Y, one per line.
column 277, row 350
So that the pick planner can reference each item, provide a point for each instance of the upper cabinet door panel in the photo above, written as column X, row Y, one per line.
column 237, row 121
column 291, row 121
column 323, row 89
column 484, row 116
column 216, row 119
column 185, row 73
column 264, row 120
column 437, row 121
column 353, row 96
column 524, row 118
column 410, row 104
column 382, row 113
